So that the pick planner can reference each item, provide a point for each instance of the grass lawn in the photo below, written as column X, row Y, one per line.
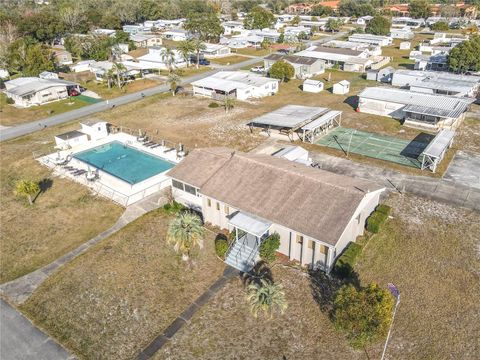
column 114, row 300
column 63, row 216
column 252, row 51
column 191, row 70
column 104, row 92
column 229, row 60
column 428, row 250
column 11, row 116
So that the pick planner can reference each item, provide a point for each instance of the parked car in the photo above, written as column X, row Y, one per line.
column 73, row 92
column 257, row 69
column 202, row 61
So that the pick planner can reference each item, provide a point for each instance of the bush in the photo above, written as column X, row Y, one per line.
column 384, row 209
column 269, row 247
column 173, row 207
column 375, row 221
column 10, row 101
column 213, row 105
column 379, row 25
column 364, row 314
column 345, row 263
column 282, row 70
column 441, row 25
column 221, row 247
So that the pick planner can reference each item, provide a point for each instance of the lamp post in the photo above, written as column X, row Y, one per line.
column 396, row 294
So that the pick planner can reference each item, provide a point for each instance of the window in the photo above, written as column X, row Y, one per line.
column 323, row 249
column 310, row 244
column 218, row 206
column 227, row 209
column 209, row 202
column 177, row 184
column 299, row 239
column 190, row 189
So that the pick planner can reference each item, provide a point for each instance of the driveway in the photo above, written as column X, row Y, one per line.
column 20, row 340
column 464, row 169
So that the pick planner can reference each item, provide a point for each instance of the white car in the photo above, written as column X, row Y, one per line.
column 257, row 69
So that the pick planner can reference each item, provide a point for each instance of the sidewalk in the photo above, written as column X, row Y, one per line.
column 21, row 340
column 19, row 290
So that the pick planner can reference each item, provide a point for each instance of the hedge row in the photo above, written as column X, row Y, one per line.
column 377, row 218
column 345, row 263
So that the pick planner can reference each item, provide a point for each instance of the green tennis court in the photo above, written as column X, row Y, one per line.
column 399, row 151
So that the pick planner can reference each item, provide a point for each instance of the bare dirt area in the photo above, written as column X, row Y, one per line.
column 64, row 214
column 115, row 299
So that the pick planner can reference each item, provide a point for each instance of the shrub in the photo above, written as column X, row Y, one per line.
column 384, row 209
column 440, row 26
column 213, row 105
column 269, row 246
column 345, row 263
column 10, row 101
column 282, row 70
column 221, row 247
column 364, row 314
column 173, row 207
column 375, row 221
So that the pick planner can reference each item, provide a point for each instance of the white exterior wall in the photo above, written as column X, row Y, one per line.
column 40, row 97
column 187, row 199
column 312, row 88
column 71, row 142
column 381, row 108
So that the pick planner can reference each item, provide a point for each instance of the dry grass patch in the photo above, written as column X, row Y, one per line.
column 11, row 116
column 112, row 301
column 430, row 251
column 252, row 51
column 225, row 328
column 468, row 136
column 101, row 88
column 228, row 60
column 63, row 216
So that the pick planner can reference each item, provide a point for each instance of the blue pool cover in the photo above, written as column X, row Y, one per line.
column 124, row 162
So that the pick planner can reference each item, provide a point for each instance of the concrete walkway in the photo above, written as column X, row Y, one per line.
column 34, row 126
column 185, row 316
column 21, row 340
column 19, row 290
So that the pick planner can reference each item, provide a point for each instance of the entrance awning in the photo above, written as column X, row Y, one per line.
column 249, row 223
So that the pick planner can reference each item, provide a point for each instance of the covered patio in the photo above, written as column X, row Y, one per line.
column 321, row 125
column 250, row 231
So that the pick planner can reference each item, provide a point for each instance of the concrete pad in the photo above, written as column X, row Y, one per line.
column 21, row 340
column 464, row 169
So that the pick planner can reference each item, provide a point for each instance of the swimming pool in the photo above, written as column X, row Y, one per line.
column 124, row 162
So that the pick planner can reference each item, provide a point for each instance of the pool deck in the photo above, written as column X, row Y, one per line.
column 106, row 184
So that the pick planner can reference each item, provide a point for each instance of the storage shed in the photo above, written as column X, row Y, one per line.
column 405, row 45
column 313, row 86
column 70, row 139
column 342, row 87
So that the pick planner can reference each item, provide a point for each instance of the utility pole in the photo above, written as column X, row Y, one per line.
column 396, row 294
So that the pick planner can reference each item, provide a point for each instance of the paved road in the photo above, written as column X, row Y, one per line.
column 20, row 340
column 31, row 127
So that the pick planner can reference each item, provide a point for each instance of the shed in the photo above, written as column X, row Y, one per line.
column 372, row 75
column 313, row 86
column 70, row 139
column 95, row 129
column 405, row 45
column 342, row 87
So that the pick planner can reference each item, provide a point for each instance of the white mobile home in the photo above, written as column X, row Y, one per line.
column 414, row 108
column 235, row 84
column 29, row 91
column 404, row 33
column 304, row 66
column 436, row 82
column 176, row 35
column 315, row 222
column 337, row 56
column 215, row 51
column 155, row 59
column 371, row 39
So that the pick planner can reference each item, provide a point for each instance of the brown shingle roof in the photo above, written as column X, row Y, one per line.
column 305, row 60
column 274, row 57
column 314, row 202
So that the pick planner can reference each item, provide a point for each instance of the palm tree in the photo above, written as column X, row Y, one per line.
column 186, row 48
column 228, row 103
column 27, row 188
column 173, row 79
column 168, row 57
column 116, row 72
column 266, row 297
column 185, row 232
column 198, row 46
